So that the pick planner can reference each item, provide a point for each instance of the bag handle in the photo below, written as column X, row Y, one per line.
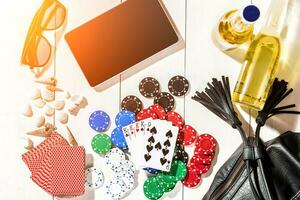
column 217, row 98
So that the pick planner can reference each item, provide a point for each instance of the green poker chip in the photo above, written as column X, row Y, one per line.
column 166, row 184
column 152, row 188
column 177, row 172
column 101, row 143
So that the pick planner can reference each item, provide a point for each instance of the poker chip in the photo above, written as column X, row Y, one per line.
column 177, row 172
column 199, row 160
column 118, row 138
column 124, row 118
column 149, row 87
column 99, row 121
column 132, row 104
column 165, row 100
column 127, row 166
column 127, row 178
column 178, row 86
column 115, row 158
column 182, row 155
column 206, row 144
column 116, row 189
column 159, row 111
column 192, row 179
column 165, row 184
column 145, row 114
column 151, row 170
column 94, row 178
column 152, row 188
column 175, row 118
column 101, row 143
column 189, row 135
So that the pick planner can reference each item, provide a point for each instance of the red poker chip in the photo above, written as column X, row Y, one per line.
column 200, row 168
column 159, row 111
column 145, row 114
column 189, row 135
column 206, row 144
column 199, row 160
column 198, row 152
column 192, row 179
column 175, row 118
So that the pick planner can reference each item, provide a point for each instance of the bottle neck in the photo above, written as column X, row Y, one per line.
column 275, row 17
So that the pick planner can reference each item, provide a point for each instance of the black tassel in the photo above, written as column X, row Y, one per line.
column 278, row 92
column 217, row 99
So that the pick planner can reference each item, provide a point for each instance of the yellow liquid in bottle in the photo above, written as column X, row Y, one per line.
column 233, row 29
column 258, row 72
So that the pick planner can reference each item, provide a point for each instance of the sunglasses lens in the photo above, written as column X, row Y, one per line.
column 54, row 16
column 38, row 52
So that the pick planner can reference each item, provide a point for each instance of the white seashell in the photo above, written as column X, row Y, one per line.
column 40, row 121
column 67, row 95
column 77, row 99
column 27, row 143
column 63, row 117
column 59, row 105
column 47, row 95
column 36, row 94
column 39, row 103
column 28, row 111
column 49, row 111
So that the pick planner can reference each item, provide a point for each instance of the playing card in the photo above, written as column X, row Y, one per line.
column 159, row 144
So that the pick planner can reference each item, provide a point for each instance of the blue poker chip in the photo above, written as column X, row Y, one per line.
column 251, row 13
column 99, row 121
column 118, row 138
column 124, row 118
column 151, row 170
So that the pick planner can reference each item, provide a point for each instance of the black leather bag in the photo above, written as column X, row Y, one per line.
column 256, row 170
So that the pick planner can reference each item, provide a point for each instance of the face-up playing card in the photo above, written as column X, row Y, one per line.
column 159, row 144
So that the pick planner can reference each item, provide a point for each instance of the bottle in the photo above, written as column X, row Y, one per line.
column 261, row 61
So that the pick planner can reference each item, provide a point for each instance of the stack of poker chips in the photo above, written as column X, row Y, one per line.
column 57, row 167
column 201, row 161
column 156, row 186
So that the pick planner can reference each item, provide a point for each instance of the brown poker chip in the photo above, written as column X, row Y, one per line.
column 149, row 87
column 165, row 100
column 178, row 86
column 132, row 104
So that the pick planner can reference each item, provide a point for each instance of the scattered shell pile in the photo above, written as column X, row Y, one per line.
column 47, row 101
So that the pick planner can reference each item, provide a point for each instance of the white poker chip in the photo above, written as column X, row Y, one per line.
column 116, row 189
column 115, row 158
column 94, row 178
column 127, row 178
column 127, row 166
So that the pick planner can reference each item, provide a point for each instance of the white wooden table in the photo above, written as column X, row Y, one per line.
column 198, row 62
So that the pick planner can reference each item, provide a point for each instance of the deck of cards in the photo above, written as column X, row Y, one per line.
column 151, row 143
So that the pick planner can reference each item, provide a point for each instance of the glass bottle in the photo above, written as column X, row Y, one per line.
column 233, row 34
column 261, row 61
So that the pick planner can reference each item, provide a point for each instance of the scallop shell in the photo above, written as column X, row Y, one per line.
column 77, row 99
column 28, row 111
column 59, row 105
column 49, row 111
column 67, row 95
column 63, row 117
column 27, row 143
column 40, row 121
column 39, row 103
column 36, row 94
column 47, row 95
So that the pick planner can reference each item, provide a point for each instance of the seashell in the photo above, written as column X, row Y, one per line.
column 49, row 111
column 28, row 111
column 67, row 94
column 47, row 95
column 59, row 105
column 39, row 103
column 36, row 94
column 71, row 138
column 40, row 121
column 77, row 99
column 54, row 88
column 48, row 81
column 27, row 143
column 63, row 117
